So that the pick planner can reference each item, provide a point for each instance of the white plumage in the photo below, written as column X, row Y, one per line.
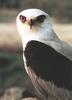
column 34, row 27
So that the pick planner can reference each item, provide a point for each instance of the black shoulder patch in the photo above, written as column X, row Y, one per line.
column 48, row 64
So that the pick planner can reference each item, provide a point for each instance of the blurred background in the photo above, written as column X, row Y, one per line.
column 13, row 78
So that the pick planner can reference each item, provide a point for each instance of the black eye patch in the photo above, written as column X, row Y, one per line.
column 40, row 18
column 22, row 18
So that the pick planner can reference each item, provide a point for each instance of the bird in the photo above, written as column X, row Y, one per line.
column 47, row 58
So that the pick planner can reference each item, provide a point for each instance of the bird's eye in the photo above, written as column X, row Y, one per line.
column 22, row 18
column 40, row 18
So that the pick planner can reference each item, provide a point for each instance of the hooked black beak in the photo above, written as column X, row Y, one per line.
column 31, row 23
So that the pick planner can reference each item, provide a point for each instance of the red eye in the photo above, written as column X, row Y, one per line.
column 22, row 18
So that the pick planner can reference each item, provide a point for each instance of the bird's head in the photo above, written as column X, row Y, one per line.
column 34, row 24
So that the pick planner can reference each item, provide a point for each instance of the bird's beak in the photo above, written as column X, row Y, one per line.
column 31, row 23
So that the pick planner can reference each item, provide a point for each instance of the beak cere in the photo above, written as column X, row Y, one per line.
column 31, row 23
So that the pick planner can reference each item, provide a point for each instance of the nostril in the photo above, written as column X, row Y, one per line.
column 31, row 23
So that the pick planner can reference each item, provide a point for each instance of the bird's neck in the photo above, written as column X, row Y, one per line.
column 42, row 36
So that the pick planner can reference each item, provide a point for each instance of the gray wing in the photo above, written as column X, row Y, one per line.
column 61, row 47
